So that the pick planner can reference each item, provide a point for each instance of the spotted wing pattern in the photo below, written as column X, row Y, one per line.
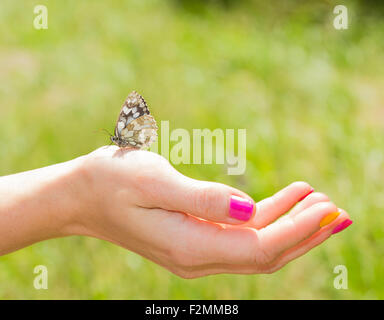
column 135, row 126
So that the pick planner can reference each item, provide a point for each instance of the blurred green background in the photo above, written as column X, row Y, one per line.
column 311, row 98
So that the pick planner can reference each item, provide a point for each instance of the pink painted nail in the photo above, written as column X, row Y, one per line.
column 340, row 227
column 306, row 195
column 240, row 208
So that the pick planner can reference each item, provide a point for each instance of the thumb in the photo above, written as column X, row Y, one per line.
column 208, row 200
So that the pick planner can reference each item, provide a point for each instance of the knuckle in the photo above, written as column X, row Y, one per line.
column 157, row 158
column 147, row 156
column 147, row 167
column 205, row 200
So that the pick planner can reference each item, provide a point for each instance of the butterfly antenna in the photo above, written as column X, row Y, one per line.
column 106, row 131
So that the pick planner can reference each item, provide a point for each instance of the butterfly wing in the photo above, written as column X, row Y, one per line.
column 141, row 132
column 135, row 126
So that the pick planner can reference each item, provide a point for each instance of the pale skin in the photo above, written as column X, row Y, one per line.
column 137, row 200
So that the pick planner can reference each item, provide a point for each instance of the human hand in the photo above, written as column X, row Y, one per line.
column 137, row 200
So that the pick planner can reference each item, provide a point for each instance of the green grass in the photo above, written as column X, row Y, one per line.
column 310, row 97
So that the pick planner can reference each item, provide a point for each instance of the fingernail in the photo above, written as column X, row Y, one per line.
column 240, row 208
column 345, row 224
column 328, row 219
column 306, row 195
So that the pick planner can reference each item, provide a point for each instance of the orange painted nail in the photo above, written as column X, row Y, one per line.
column 328, row 219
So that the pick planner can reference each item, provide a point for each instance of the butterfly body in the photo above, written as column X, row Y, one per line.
column 135, row 126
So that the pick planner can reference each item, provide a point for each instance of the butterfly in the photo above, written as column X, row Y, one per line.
column 135, row 126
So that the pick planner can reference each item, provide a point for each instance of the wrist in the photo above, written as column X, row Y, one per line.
column 87, row 193
column 62, row 198
column 40, row 204
column 75, row 188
